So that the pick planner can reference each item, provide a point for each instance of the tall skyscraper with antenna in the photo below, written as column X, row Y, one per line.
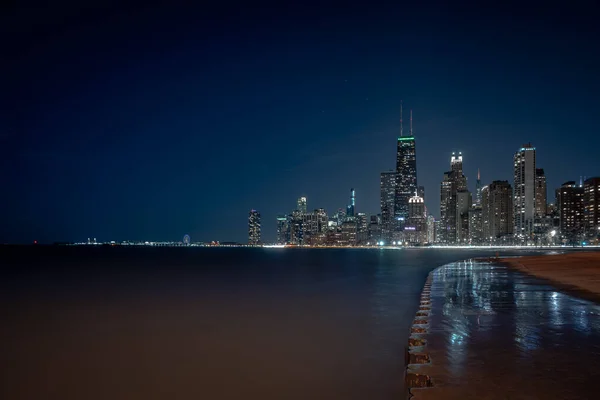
column 406, row 172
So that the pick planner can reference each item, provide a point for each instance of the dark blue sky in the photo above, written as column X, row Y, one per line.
column 128, row 122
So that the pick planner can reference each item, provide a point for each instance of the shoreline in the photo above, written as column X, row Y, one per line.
column 575, row 273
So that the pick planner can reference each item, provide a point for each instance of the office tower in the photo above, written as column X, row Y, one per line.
column 416, row 226
column 302, row 205
column 591, row 206
column 454, row 182
column 431, row 229
column 362, row 226
column 524, row 193
column 540, row 193
column 463, row 204
column 497, row 211
column 475, row 225
column 478, row 190
column 571, row 196
column 254, row 227
column 296, row 228
column 375, row 231
column 406, row 172
column 350, row 208
column 341, row 217
column 282, row 229
column 387, row 198
column 348, row 233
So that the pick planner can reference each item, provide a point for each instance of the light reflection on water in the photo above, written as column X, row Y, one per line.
column 498, row 329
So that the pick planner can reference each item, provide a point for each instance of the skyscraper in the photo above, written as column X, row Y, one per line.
column 388, row 193
column 254, row 227
column 497, row 210
column 350, row 208
column 282, row 229
column 406, row 171
column 416, row 227
column 591, row 206
column 572, row 220
column 524, row 192
column 478, row 190
column 540, row 193
column 463, row 205
column 302, row 205
column 454, row 182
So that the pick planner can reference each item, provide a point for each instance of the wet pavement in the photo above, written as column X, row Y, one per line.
column 493, row 333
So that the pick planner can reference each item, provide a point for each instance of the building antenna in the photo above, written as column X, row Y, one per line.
column 411, row 133
column 401, row 125
column 478, row 175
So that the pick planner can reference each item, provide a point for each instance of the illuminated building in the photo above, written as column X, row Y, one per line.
column 463, row 205
column 478, row 190
column 282, row 230
column 296, row 228
column 431, row 224
column 571, row 196
column 375, row 229
column 454, row 182
column 497, row 211
column 591, row 206
column 387, row 198
column 540, row 193
column 302, row 205
column 254, row 227
column 416, row 226
column 362, row 228
column 351, row 206
column 348, row 233
column 524, row 193
column 475, row 225
column 406, row 172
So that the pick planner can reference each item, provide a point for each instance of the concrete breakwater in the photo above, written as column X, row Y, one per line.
column 486, row 331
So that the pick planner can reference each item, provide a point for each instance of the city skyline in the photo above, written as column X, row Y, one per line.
column 186, row 134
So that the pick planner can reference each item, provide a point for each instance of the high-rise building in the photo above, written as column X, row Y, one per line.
column 463, row 205
column 375, row 232
column 431, row 229
column 302, row 205
column 541, row 200
column 254, row 227
column 348, row 233
column 496, row 211
column 591, row 206
column 406, row 172
column 362, row 226
column 387, row 198
column 571, row 196
column 296, row 228
column 351, row 206
column 454, row 182
column 282, row 230
column 416, row 226
column 524, row 193
column 475, row 225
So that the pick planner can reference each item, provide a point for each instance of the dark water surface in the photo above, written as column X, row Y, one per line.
column 192, row 323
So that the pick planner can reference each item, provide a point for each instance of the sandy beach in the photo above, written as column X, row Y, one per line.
column 578, row 271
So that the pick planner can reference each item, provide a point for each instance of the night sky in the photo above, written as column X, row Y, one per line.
column 124, row 122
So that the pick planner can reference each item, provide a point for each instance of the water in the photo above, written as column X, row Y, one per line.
column 190, row 323
column 498, row 334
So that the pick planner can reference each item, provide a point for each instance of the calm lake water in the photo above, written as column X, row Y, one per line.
column 192, row 323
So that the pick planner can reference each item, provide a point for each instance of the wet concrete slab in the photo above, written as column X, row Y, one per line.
column 496, row 333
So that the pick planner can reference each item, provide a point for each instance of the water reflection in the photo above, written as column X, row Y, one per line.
column 505, row 328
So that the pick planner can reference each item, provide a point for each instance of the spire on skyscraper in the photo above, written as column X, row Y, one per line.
column 478, row 175
column 411, row 133
column 401, row 124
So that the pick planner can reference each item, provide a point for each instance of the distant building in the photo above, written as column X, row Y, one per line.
column 254, row 227
column 362, row 227
column 431, row 224
column 541, row 199
column 416, row 226
column 375, row 229
column 591, row 206
column 476, row 225
column 478, row 190
column 497, row 211
column 524, row 193
column 348, row 233
column 454, row 182
column 352, row 205
column 406, row 172
column 296, row 230
column 387, row 198
column 282, row 230
column 302, row 205
column 571, row 211
column 463, row 205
